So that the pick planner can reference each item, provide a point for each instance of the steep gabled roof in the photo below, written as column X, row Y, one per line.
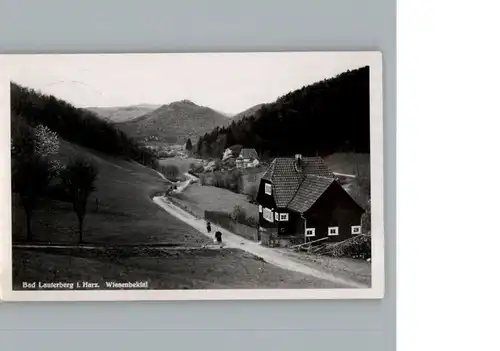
column 287, row 180
column 248, row 153
column 310, row 190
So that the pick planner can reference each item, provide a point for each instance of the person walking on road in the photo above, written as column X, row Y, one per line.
column 209, row 227
column 218, row 237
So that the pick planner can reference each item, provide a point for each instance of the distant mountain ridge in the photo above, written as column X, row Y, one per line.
column 122, row 113
column 175, row 122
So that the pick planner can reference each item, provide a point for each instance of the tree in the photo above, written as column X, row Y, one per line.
column 30, row 179
column 78, row 179
column 31, row 172
column 47, row 141
column 47, row 146
column 189, row 145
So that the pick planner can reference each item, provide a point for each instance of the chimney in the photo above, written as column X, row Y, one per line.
column 298, row 162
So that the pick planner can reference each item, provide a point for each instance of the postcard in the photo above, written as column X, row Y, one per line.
column 192, row 176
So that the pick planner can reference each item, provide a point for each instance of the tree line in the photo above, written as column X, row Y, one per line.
column 319, row 119
column 77, row 125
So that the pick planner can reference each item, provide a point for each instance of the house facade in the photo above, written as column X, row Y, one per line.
column 299, row 198
column 248, row 158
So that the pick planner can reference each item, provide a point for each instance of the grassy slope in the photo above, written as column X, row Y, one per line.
column 127, row 215
column 208, row 198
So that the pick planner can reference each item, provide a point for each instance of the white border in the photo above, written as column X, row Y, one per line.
column 373, row 59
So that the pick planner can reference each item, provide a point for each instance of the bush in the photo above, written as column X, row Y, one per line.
column 356, row 247
column 170, row 171
column 239, row 214
column 228, row 180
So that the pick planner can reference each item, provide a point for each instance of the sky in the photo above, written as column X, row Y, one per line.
column 226, row 82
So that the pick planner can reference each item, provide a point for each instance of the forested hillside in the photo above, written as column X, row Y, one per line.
column 325, row 117
column 79, row 126
column 175, row 122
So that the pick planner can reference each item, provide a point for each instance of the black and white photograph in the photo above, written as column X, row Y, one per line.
column 191, row 176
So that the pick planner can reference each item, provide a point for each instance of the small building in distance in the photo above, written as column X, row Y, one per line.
column 300, row 200
column 248, row 158
column 231, row 152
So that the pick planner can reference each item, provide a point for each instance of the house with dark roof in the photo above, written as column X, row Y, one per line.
column 247, row 158
column 299, row 198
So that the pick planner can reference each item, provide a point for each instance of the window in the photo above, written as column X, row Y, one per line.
column 260, row 208
column 310, row 231
column 283, row 216
column 333, row 230
column 356, row 229
column 267, row 189
column 268, row 215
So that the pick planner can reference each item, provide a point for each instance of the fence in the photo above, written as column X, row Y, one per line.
column 225, row 221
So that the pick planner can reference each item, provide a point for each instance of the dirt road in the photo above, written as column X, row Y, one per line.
column 235, row 241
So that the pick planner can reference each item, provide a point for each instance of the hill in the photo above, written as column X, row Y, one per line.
column 319, row 119
column 175, row 122
column 122, row 113
column 76, row 125
column 248, row 112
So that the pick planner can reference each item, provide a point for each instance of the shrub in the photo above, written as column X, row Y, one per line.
column 170, row 171
column 239, row 214
column 356, row 247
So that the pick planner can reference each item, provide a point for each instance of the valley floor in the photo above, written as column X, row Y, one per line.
column 130, row 230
